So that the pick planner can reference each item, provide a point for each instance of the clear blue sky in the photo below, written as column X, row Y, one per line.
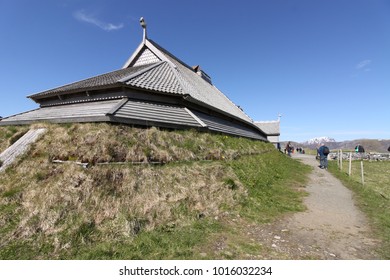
column 323, row 64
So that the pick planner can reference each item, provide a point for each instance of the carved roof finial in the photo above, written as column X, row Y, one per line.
column 143, row 25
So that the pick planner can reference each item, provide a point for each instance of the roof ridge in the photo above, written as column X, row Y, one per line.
column 179, row 78
column 134, row 55
column 271, row 121
column 164, row 51
column 147, row 79
column 142, row 71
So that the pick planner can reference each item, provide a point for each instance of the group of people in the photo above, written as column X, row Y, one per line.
column 290, row 149
column 322, row 153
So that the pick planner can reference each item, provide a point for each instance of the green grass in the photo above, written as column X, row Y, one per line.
column 271, row 180
column 162, row 243
column 10, row 134
column 274, row 184
column 373, row 197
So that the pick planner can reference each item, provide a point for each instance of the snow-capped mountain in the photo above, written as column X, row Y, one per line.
column 319, row 140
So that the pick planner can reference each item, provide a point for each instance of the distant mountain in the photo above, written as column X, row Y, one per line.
column 318, row 140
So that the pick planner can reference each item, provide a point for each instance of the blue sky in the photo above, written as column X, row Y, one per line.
column 323, row 64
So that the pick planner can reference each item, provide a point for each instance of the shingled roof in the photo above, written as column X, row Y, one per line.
column 100, row 81
column 152, row 79
column 269, row 127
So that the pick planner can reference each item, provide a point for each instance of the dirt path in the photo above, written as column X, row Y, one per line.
column 331, row 228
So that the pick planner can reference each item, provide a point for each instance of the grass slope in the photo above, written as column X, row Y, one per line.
column 176, row 209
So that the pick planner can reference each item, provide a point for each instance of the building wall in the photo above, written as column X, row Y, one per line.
column 273, row 139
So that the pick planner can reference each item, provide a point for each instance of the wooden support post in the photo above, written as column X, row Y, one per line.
column 350, row 164
column 341, row 159
column 362, row 169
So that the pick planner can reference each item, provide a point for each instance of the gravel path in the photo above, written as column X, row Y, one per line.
column 332, row 227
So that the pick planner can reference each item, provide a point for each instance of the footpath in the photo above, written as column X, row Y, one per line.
column 332, row 227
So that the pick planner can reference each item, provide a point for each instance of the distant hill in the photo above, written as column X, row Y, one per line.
column 370, row 145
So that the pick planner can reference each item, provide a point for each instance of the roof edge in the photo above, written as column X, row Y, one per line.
column 134, row 55
column 205, row 105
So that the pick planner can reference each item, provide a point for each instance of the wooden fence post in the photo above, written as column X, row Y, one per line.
column 338, row 159
column 350, row 164
column 362, row 169
column 341, row 159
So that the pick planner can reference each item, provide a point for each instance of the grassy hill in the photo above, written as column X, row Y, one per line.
column 146, row 194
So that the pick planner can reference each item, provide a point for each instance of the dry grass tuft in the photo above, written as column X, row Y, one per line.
column 98, row 143
column 120, row 201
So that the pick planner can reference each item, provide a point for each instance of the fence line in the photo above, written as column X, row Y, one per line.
column 340, row 164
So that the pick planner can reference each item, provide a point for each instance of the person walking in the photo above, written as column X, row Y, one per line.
column 323, row 152
column 289, row 148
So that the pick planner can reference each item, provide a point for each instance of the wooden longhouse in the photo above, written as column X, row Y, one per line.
column 153, row 88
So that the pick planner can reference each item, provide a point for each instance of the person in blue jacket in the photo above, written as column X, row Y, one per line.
column 323, row 152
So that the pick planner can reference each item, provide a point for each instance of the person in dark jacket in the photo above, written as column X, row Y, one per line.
column 359, row 149
column 289, row 148
column 323, row 156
